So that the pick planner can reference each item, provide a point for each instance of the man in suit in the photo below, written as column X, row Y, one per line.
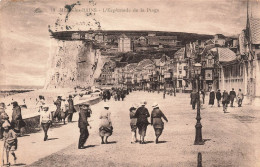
column 193, row 99
column 232, row 94
column 218, row 97
column 71, row 109
column 83, row 125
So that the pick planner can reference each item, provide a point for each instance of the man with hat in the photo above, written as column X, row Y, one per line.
column 71, row 108
column 57, row 114
column 142, row 115
column 84, row 113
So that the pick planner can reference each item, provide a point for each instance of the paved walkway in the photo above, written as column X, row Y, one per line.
column 230, row 138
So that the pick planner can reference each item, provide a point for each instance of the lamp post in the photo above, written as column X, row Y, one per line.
column 198, row 126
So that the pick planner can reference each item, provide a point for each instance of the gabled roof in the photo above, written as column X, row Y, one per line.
column 224, row 54
column 255, row 30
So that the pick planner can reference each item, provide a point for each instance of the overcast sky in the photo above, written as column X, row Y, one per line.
column 24, row 37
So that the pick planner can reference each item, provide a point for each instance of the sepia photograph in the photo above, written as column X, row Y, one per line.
column 130, row 83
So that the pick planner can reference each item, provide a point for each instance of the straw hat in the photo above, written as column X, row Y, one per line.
column 155, row 105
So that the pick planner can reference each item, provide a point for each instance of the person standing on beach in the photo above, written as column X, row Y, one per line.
column 142, row 115
column 71, row 109
column 17, row 119
column 46, row 120
column 84, row 114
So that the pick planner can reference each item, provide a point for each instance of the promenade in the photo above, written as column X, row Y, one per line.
column 230, row 139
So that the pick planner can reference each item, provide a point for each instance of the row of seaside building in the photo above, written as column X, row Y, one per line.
column 226, row 63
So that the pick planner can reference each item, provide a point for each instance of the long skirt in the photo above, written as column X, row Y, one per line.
column 211, row 101
column 142, row 129
column 105, row 131
column 158, row 126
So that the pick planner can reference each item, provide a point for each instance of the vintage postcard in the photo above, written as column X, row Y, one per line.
column 124, row 83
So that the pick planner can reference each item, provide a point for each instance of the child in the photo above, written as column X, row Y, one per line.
column 10, row 141
column 133, row 121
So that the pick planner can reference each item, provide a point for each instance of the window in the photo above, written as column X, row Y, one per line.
column 180, row 72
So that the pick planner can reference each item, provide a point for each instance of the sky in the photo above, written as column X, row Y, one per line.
column 25, row 40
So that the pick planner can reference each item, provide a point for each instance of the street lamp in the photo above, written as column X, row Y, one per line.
column 198, row 126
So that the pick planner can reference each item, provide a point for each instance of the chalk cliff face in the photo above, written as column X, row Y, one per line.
column 72, row 63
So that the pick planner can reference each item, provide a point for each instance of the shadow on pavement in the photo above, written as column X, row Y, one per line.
column 53, row 138
column 112, row 142
column 204, row 140
column 89, row 146
column 147, row 142
column 19, row 164
column 159, row 142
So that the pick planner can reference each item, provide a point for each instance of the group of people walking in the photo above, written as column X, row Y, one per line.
column 139, row 120
column 225, row 98
column 10, row 130
column 116, row 93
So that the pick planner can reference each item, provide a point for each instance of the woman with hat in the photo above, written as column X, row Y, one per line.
column 133, row 121
column 10, row 141
column 46, row 120
column 156, row 121
column 58, row 108
column 17, row 120
column 106, row 128
column 142, row 114
column 211, row 98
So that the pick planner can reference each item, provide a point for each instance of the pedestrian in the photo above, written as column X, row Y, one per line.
column 71, row 108
column 84, row 114
column 40, row 103
column 211, row 98
column 142, row 115
column 240, row 97
column 133, row 121
column 46, row 120
column 218, row 96
column 108, row 95
column 193, row 99
column 105, row 128
column 225, row 101
column 3, row 117
column 58, row 109
column 105, row 96
column 10, row 142
column 232, row 95
column 122, row 95
column 118, row 95
column 17, row 121
column 203, row 96
column 64, row 110
column 156, row 121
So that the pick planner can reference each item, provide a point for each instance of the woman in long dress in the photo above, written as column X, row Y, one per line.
column 211, row 98
column 142, row 122
column 105, row 128
column 156, row 121
column 133, row 121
